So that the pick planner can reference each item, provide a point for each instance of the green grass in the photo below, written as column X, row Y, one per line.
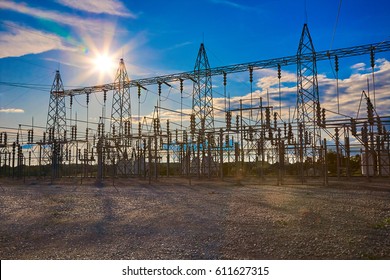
column 383, row 224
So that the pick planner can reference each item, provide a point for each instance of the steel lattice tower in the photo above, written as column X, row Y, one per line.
column 56, row 118
column 121, row 106
column 56, row 125
column 121, row 124
column 309, row 133
column 202, row 99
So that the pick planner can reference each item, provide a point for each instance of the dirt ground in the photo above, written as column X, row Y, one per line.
column 172, row 219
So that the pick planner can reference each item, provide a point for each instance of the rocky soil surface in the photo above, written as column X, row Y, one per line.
column 172, row 219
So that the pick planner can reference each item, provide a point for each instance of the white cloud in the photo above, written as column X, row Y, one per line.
column 269, row 79
column 11, row 110
column 112, row 7
column 17, row 40
column 359, row 65
column 20, row 41
column 91, row 25
column 350, row 91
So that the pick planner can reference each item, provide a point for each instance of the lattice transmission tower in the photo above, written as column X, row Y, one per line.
column 202, row 100
column 121, row 124
column 309, row 133
column 56, row 117
column 56, row 125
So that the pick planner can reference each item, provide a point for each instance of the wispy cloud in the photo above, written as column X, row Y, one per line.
column 351, row 89
column 18, row 41
column 230, row 4
column 360, row 65
column 179, row 45
column 270, row 79
column 112, row 7
column 91, row 25
column 11, row 110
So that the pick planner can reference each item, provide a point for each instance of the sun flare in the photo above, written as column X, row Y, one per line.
column 100, row 57
column 104, row 64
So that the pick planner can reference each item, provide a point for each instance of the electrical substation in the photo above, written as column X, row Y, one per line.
column 254, row 139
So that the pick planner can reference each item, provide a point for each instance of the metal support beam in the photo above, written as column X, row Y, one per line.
column 242, row 67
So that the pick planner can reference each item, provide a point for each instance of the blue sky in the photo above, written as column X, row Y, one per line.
column 160, row 37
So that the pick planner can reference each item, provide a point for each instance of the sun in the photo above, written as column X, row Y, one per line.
column 104, row 64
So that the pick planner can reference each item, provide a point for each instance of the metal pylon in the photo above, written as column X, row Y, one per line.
column 309, row 134
column 121, row 124
column 56, row 117
column 202, row 100
column 202, row 109
column 56, row 125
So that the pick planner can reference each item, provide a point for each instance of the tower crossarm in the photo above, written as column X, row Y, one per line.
column 261, row 64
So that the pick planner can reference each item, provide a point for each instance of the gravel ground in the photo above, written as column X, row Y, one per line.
column 171, row 219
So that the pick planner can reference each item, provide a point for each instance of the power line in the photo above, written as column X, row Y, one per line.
column 335, row 25
column 39, row 87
